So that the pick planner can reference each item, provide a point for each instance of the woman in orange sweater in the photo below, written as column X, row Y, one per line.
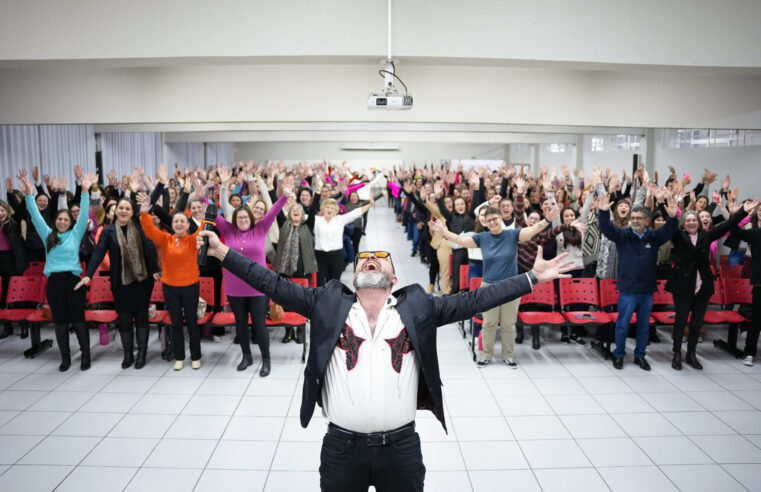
column 180, row 277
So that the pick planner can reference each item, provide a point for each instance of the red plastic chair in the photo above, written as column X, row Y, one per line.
column 157, row 297
column 575, row 291
column 100, row 293
column 736, row 291
column 37, row 316
column 464, row 270
column 543, row 295
column 663, row 299
column 291, row 319
column 22, row 289
column 475, row 321
column 35, row 268
column 731, row 271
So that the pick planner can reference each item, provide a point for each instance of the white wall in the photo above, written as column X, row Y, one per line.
column 677, row 32
column 408, row 152
column 743, row 164
column 322, row 93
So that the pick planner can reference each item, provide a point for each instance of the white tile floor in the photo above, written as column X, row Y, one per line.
column 564, row 420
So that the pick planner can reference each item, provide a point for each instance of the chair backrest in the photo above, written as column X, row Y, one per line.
column 207, row 291
column 313, row 280
column 157, row 294
column 608, row 293
column 544, row 294
column 100, row 290
column 25, row 289
column 300, row 281
column 475, row 283
column 737, row 291
column 662, row 297
column 730, row 271
column 464, row 269
column 578, row 291
column 718, row 295
column 35, row 268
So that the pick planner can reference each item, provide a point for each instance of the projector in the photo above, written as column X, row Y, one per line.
column 389, row 100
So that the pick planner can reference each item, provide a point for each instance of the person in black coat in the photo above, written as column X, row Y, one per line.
column 753, row 237
column 12, row 256
column 339, row 358
column 134, row 266
column 691, row 279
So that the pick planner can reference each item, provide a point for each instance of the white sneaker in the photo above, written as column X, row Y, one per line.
column 748, row 361
column 511, row 363
column 483, row 362
column 178, row 365
column 195, row 364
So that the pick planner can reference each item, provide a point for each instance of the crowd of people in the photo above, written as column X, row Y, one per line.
column 307, row 221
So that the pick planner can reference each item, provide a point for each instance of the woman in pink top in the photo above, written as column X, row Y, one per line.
column 246, row 236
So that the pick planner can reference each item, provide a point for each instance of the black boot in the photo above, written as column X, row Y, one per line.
column 300, row 334
column 142, row 346
column 518, row 334
column 288, row 334
column 83, row 337
column 24, row 330
column 246, row 361
column 62, row 339
column 692, row 360
column 676, row 362
column 7, row 330
column 167, row 353
column 129, row 348
column 265, row 370
column 535, row 343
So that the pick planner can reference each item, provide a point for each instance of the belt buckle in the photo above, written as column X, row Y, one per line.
column 378, row 439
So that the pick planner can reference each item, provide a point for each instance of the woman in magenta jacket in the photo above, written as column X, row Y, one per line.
column 246, row 236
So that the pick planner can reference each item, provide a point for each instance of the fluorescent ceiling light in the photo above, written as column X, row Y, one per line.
column 371, row 146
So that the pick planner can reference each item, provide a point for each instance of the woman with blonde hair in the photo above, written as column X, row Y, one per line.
column 328, row 237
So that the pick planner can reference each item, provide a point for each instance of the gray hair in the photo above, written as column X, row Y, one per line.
column 643, row 210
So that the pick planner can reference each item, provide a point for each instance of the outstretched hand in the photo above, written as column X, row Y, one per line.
column 84, row 281
column 552, row 269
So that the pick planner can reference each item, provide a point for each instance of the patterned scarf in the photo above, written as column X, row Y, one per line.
column 133, row 259
column 289, row 259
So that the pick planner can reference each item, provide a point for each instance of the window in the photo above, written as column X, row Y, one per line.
column 599, row 143
column 695, row 137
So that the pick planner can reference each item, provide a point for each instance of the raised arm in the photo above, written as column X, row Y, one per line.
column 435, row 225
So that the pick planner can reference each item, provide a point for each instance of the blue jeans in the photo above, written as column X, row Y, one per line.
column 628, row 304
column 736, row 257
column 413, row 233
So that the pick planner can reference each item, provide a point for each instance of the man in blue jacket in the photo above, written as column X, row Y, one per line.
column 637, row 256
column 373, row 362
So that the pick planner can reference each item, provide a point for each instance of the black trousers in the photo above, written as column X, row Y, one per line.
column 126, row 318
column 7, row 270
column 182, row 303
column 66, row 304
column 356, row 237
column 755, row 323
column 346, row 466
column 683, row 306
column 330, row 264
column 459, row 257
column 256, row 306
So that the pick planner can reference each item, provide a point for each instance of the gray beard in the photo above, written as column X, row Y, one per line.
column 371, row 280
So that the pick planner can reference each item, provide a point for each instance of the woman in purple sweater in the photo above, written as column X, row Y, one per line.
column 246, row 236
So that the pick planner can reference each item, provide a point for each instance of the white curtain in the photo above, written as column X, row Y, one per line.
column 123, row 151
column 64, row 146
column 55, row 149
column 185, row 155
column 219, row 152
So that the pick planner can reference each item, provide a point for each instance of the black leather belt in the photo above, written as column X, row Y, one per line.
column 373, row 439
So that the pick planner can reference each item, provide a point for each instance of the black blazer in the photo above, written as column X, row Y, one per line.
column 108, row 242
column 688, row 261
column 753, row 238
column 12, row 231
column 328, row 306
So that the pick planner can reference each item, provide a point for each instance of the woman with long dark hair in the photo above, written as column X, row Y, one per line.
column 133, row 266
column 246, row 235
column 691, row 279
column 12, row 256
column 63, row 269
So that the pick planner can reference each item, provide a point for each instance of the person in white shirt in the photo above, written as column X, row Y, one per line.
column 372, row 360
column 328, row 238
